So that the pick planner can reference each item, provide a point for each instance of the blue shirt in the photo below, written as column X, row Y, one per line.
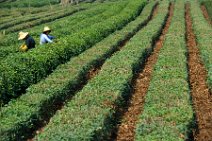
column 45, row 38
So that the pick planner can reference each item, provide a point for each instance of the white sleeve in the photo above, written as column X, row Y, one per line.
column 47, row 39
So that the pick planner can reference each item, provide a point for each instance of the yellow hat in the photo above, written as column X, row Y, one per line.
column 22, row 35
column 46, row 28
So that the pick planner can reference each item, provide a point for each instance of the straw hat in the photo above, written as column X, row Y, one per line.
column 22, row 35
column 46, row 28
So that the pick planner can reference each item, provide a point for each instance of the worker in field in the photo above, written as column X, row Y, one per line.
column 45, row 37
column 29, row 41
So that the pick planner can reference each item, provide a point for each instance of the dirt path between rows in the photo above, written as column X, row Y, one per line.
column 205, row 13
column 126, row 130
column 201, row 98
column 91, row 74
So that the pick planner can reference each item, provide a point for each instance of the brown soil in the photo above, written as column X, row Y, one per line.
column 201, row 98
column 126, row 130
column 155, row 11
column 205, row 13
column 92, row 73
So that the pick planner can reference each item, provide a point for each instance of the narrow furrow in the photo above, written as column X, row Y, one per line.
column 205, row 13
column 60, row 104
column 126, row 130
column 201, row 98
column 91, row 74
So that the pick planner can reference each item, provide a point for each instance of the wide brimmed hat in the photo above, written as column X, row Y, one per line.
column 46, row 28
column 22, row 35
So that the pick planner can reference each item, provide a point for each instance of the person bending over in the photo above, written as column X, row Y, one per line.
column 29, row 41
column 45, row 37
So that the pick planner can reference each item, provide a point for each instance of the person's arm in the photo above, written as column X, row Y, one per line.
column 47, row 39
column 51, row 37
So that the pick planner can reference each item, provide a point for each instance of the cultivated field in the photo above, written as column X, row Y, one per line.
column 125, row 70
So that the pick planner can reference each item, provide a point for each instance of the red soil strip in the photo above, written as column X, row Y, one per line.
column 205, row 13
column 126, row 129
column 202, row 101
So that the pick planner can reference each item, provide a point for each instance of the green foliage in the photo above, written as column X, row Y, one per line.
column 27, row 3
column 24, row 23
column 89, row 114
column 62, row 27
column 208, row 5
column 21, row 70
column 18, row 13
column 167, row 111
column 203, row 32
column 15, row 23
column 58, row 86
